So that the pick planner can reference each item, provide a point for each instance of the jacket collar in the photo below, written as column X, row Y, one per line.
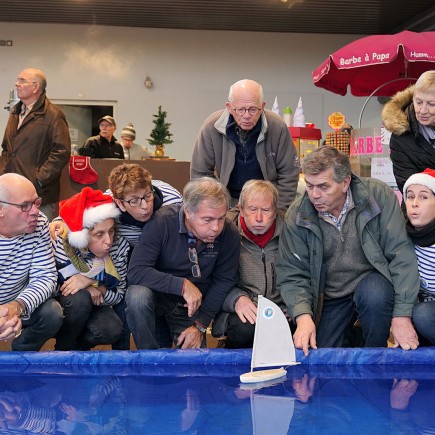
column 221, row 124
column 38, row 108
column 307, row 215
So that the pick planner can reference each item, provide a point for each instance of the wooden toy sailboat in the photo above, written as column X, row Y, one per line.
column 273, row 344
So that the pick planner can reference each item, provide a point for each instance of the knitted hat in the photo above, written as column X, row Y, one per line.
column 107, row 118
column 129, row 131
column 82, row 211
column 425, row 178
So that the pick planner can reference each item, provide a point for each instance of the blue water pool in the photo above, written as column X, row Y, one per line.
column 359, row 391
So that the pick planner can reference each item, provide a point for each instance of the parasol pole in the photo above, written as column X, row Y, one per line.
column 374, row 92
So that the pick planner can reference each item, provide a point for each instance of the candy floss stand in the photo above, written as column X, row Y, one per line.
column 305, row 140
column 370, row 154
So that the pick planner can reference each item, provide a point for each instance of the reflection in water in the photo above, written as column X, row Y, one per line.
column 312, row 399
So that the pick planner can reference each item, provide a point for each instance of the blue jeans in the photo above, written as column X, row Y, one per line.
column 43, row 324
column 163, row 334
column 124, row 341
column 86, row 325
column 371, row 303
column 144, row 305
column 423, row 317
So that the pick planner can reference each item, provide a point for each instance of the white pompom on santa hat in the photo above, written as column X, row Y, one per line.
column 82, row 211
column 425, row 178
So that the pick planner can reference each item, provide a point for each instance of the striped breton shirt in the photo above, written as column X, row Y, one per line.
column 170, row 195
column 426, row 261
column 27, row 268
column 119, row 255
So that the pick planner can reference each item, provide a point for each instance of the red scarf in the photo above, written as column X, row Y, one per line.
column 259, row 239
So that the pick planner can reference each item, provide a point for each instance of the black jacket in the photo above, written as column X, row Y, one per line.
column 99, row 147
column 410, row 151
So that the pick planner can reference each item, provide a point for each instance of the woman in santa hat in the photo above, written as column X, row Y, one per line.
column 419, row 195
column 92, row 268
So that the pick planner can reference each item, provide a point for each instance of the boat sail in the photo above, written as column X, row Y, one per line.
column 273, row 343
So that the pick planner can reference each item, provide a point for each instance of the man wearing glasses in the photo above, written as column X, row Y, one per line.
column 105, row 144
column 37, row 143
column 244, row 142
column 29, row 316
column 183, row 267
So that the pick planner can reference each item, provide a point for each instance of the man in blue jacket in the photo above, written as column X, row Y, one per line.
column 183, row 266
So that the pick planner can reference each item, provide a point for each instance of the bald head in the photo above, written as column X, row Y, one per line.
column 15, row 192
column 12, row 184
column 245, row 103
column 246, row 89
column 30, row 84
column 36, row 75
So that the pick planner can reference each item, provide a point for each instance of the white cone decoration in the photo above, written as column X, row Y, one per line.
column 299, row 117
column 275, row 107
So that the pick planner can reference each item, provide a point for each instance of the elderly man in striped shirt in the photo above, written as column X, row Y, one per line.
column 29, row 316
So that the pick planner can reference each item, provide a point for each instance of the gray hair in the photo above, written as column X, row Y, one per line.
column 205, row 189
column 246, row 83
column 426, row 82
column 325, row 157
column 258, row 187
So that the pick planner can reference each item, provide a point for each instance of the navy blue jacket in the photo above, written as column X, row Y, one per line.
column 160, row 260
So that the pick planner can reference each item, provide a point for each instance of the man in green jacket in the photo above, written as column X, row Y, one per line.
column 344, row 255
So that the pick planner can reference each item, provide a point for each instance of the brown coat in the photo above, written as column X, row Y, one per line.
column 40, row 148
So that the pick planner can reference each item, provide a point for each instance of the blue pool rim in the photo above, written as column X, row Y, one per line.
column 356, row 356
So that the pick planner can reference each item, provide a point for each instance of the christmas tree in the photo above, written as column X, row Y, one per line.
column 160, row 135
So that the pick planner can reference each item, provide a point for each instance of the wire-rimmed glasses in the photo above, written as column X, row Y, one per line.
column 251, row 110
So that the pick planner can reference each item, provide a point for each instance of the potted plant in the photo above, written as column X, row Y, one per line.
column 160, row 134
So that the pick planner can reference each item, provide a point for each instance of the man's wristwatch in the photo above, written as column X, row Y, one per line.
column 200, row 327
column 22, row 307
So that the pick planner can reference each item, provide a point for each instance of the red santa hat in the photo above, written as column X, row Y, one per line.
column 425, row 178
column 82, row 211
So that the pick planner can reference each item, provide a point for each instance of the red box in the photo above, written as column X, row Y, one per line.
column 305, row 133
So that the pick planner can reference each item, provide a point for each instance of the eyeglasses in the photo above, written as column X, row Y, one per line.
column 24, row 82
column 193, row 257
column 137, row 201
column 241, row 110
column 26, row 206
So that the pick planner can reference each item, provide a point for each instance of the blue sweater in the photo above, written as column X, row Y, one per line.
column 160, row 260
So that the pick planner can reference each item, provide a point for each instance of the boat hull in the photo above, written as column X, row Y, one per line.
column 262, row 375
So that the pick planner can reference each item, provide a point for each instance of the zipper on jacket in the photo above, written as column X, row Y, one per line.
column 263, row 259
column 272, row 267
